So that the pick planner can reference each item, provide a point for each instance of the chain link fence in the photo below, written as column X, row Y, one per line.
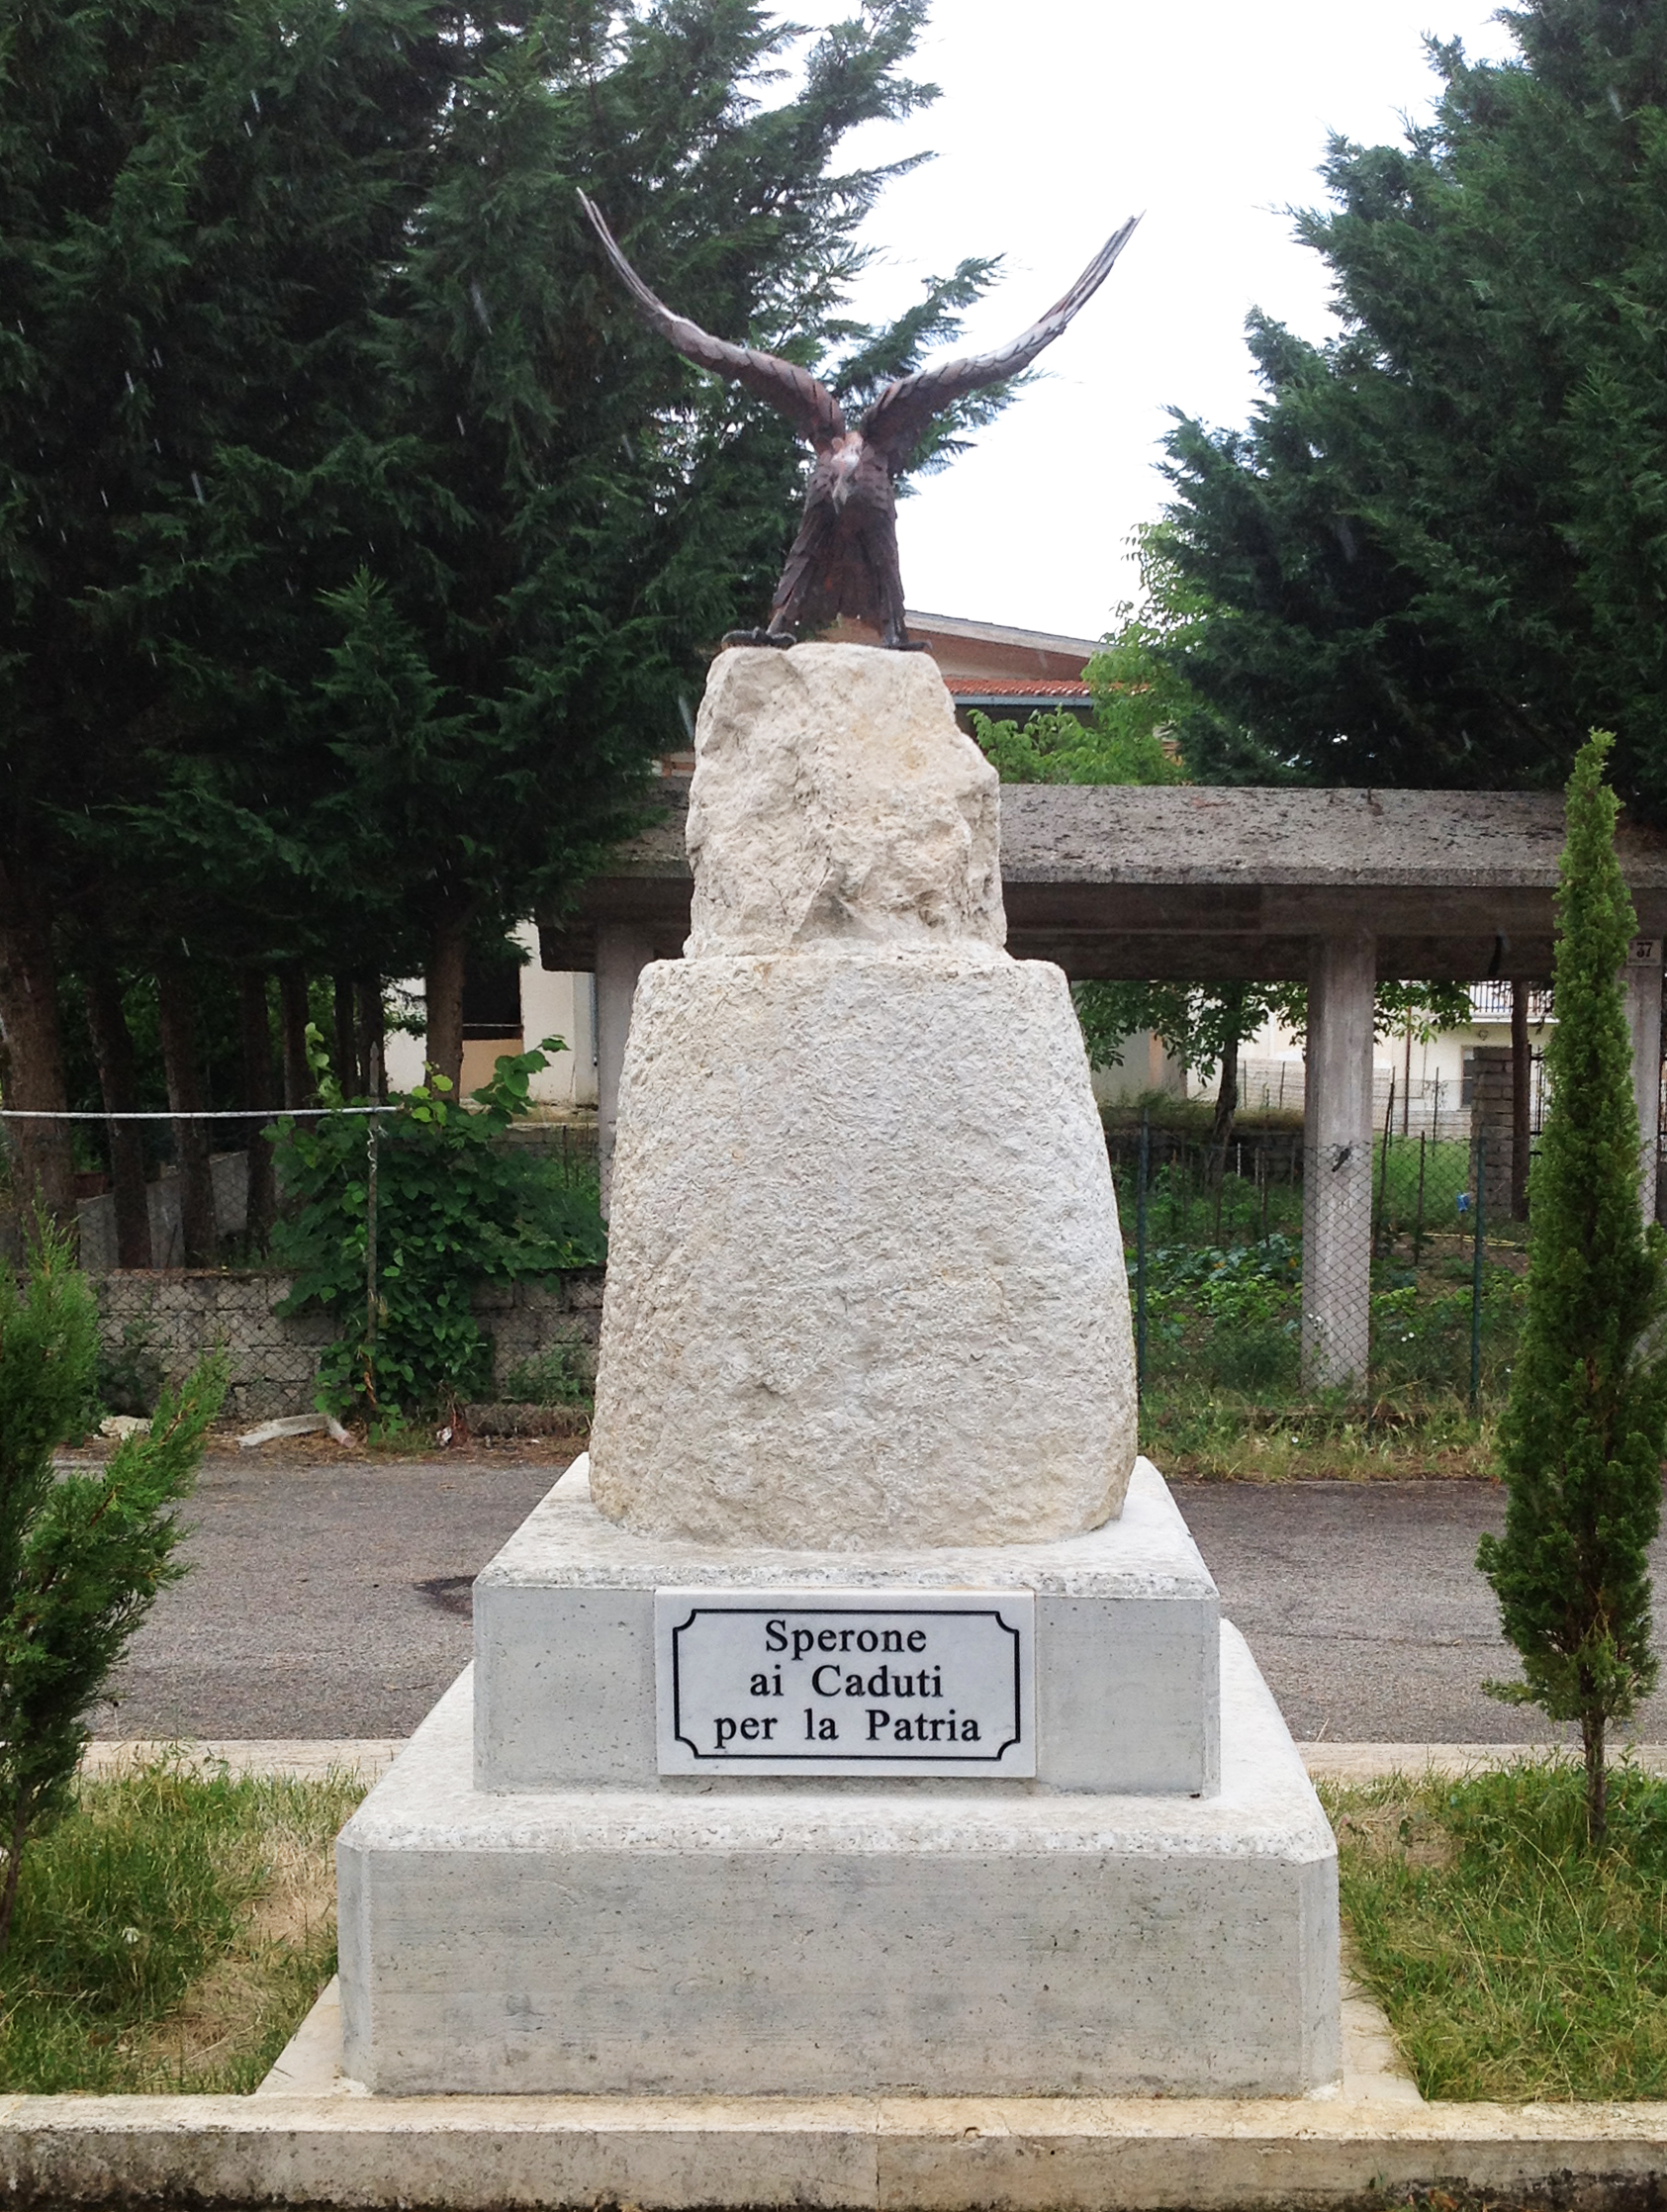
column 1414, row 1277
column 157, row 1322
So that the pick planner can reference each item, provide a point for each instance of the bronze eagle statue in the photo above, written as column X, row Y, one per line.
column 844, row 559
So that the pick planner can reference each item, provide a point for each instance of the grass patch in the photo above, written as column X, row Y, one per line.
column 1513, row 1964
column 1200, row 1433
column 171, row 1932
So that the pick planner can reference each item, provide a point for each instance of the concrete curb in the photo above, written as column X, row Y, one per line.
column 1374, row 1761
column 306, row 1759
column 308, row 2138
column 947, row 2155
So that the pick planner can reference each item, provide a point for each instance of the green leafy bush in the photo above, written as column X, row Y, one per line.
column 129, row 1378
column 455, row 1206
column 1421, row 1332
column 1228, row 1318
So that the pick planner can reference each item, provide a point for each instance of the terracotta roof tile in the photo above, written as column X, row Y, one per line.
column 1015, row 688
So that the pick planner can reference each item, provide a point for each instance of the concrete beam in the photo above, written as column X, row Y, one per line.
column 1089, row 954
column 1642, row 983
column 1336, row 1251
column 622, row 953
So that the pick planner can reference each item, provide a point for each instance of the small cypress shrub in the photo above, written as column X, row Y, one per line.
column 1581, row 1438
column 81, row 1556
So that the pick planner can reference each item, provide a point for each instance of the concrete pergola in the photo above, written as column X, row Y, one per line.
column 1199, row 883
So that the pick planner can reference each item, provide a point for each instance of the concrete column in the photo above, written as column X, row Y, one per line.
column 1642, row 980
column 1493, row 1116
column 622, row 953
column 1337, row 1249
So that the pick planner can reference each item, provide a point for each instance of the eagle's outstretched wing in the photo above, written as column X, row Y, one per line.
column 807, row 404
column 898, row 417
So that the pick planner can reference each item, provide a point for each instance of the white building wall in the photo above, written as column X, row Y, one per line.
column 1145, row 1068
column 1428, row 1074
column 553, row 1005
column 559, row 1005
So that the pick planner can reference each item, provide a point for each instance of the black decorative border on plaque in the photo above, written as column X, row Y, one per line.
column 855, row 1758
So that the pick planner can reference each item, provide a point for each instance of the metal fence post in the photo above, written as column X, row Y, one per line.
column 1476, row 1272
column 1143, row 1159
column 372, row 1128
column 1418, row 1233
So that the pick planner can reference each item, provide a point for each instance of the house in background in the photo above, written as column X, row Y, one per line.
column 1432, row 1083
column 506, row 1009
column 1007, row 673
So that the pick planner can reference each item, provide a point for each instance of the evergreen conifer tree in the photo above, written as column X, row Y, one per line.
column 1435, row 555
column 1581, row 1440
column 81, row 1556
column 358, row 547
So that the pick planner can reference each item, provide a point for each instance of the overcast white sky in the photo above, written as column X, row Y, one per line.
column 1059, row 118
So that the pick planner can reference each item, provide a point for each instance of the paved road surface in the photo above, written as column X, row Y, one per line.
column 1363, row 1606
column 332, row 1601
column 324, row 1599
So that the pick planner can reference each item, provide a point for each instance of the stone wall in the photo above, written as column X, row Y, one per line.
column 97, row 1216
column 177, row 1315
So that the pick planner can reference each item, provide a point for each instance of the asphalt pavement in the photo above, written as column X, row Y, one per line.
column 323, row 1600
column 1364, row 1610
column 332, row 1600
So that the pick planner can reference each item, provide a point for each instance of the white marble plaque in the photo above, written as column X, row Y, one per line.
column 846, row 1682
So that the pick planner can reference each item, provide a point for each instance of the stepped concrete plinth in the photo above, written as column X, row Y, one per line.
column 527, row 1903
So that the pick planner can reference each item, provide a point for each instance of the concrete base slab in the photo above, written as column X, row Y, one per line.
column 1373, row 2070
column 941, row 1938
column 845, row 2154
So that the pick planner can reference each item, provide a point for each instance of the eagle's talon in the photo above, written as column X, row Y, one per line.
column 780, row 639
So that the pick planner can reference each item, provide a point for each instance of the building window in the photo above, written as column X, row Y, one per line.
column 492, row 1000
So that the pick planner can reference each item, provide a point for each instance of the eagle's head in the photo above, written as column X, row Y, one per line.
column 844, row 460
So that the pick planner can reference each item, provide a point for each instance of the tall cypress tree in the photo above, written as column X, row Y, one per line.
column 197, row 204
column 1581, row 1440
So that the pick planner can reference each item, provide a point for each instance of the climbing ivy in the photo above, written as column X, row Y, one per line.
column 455, row 1206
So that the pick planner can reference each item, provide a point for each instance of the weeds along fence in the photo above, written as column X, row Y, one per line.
column 155, row 1323
column 567, row 1150
column 1214, row 1244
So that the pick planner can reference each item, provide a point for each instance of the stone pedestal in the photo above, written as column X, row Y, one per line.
column 527, row 1905
column 865, row 1278
column 861, row 1721
column 864, row 1263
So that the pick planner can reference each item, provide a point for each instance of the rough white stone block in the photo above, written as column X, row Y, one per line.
column 1127, row 1618
column 949, row 1939
column 835, row 802
column 865, row 1280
